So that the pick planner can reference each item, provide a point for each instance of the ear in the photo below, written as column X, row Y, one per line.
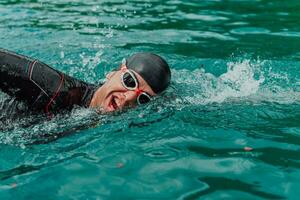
column 110, row 74
column 122, row 67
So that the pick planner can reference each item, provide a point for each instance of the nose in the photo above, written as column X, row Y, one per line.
column 130, row 97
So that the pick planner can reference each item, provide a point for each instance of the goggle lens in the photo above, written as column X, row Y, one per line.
column 143, row 98
column 129, row 81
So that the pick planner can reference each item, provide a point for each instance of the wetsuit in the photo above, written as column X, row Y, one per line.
column 40, row 86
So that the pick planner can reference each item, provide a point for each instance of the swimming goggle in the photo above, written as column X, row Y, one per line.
column 130, row 82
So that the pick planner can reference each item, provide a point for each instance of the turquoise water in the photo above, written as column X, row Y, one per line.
column 227, row 128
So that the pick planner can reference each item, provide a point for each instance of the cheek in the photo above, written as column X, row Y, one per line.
column 95, row 102
column 115, row 83
column 130, row 98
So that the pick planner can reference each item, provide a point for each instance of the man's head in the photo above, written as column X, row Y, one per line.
column 140, row 77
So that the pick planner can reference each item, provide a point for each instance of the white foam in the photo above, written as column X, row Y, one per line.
column 243, row 80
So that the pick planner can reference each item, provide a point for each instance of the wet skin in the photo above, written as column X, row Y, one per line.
column 112, row 95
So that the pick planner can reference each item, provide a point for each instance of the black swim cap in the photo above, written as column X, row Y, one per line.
column 153, row 68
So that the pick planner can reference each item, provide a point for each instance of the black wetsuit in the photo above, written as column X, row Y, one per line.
column 40, row 86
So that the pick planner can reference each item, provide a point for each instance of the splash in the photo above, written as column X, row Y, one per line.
column 245, row 80
column 241, row 79
column 37, row 128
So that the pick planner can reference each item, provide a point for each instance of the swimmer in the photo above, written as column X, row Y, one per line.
column 139, row 78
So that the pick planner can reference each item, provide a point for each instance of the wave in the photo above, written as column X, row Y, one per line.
column 230, row 85
column 244, row 80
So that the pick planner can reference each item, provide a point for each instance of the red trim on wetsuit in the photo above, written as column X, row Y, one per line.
column 55, row 94
column 30, row 68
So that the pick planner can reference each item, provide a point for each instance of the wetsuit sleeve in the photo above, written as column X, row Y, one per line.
column 41, row 86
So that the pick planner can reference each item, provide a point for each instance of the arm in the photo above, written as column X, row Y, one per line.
column 41, row 86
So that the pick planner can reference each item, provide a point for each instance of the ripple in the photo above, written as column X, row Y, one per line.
column 117, row 161
column 204, row 17
column 292, row 130
column 219, row 184
column 249, row 30
column 287, row 34
column 171, row 36
column 162, row 154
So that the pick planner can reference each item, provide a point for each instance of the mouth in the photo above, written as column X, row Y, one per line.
column 113, row 105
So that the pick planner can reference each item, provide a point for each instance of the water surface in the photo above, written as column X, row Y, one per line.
column 228, row 127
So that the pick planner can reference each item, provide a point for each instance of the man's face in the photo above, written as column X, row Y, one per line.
column 112, row 95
